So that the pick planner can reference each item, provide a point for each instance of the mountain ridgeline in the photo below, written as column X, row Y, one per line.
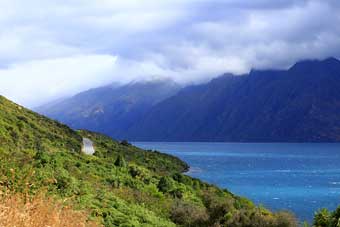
column 110, row 109
column 301, row 104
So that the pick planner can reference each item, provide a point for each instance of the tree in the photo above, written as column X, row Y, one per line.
column 125, row 143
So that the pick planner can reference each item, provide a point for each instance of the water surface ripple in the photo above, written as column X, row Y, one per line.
column 300, row 177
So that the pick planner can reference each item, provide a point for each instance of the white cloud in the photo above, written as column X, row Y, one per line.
column 49, row 49
column 35, row 82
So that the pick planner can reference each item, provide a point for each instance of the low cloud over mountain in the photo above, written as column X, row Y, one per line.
column 64, row 47
column 301, row 104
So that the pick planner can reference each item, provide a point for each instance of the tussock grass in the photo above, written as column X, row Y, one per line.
column 18, row 211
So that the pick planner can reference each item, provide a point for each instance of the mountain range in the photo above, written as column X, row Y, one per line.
column 300, row 104
column 110, row 109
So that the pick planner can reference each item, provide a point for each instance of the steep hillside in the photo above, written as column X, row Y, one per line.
column 120, row 185
column 301, row 104
column 111, row 109
column 22, row 129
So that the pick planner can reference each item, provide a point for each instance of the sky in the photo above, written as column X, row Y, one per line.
column 57, row 48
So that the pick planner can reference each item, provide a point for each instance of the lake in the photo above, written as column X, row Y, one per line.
column 299, row 177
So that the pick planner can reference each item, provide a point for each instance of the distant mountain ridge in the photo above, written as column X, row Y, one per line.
column 301, row 104
column 110, row 109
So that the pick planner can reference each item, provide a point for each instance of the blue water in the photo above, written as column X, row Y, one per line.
column 297, row 177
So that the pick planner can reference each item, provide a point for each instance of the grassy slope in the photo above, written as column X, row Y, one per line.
column 16, row 210
column 21, row 129
column 143, row 189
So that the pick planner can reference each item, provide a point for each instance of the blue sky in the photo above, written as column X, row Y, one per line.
column 56, row 48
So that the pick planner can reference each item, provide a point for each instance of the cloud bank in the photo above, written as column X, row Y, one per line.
column 56, row 48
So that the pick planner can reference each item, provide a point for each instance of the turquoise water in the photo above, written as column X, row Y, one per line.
column 297, row 177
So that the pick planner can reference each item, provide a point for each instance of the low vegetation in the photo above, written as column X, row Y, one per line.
column 120, row 185
column 37, row 211
column 325, row 218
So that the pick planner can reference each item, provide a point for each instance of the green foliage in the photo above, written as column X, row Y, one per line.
column 165, row 184
column 22, row 129
column 322, row 218
column 153, row 160
column 189, row 214
column 325, row 218
column 121, row 184
column 120, row 161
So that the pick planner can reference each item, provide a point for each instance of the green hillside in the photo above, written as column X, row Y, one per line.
column 121, row 185
column 24, row 130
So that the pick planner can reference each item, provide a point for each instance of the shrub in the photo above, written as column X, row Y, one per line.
column 187, row 214
column 42, row 158
column 182, row 179
column 120, row 161
column 165, row 184
column 125, row 143
column 322, row 218
column 335, row 218
column 134, row 171
column 177, row 193
column 67, row 184
column 217, row 206
column 285, row 219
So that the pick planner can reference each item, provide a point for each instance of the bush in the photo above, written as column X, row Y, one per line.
column 165, row 184
column 120, row 161
column 217, row 206
column 177, row 193
column 125, row 143
column 187, row 214
column 42, row 158
column 182, row 179
column 322, row 218
column 67, row 184
column 285, row 219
